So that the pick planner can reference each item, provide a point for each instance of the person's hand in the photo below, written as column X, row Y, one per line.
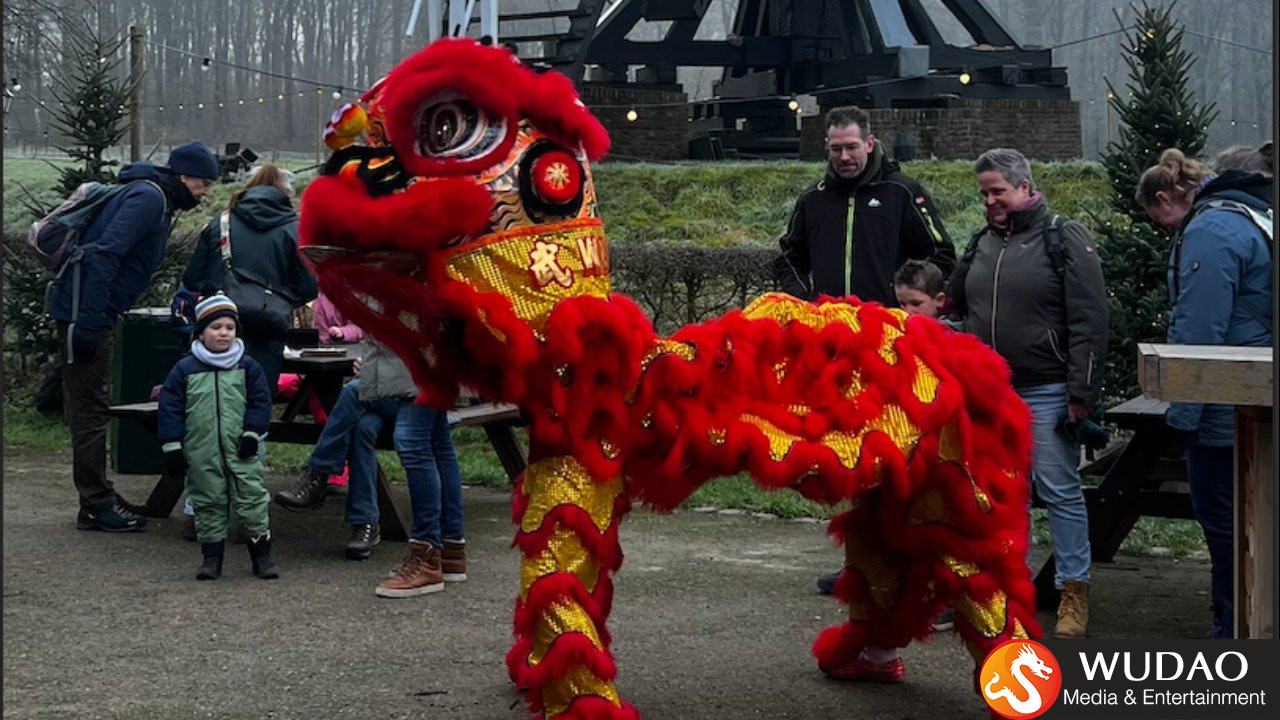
column 335, row 333
column 175, row 463
column 357, row 366
column 84, row 343
column 248, row 447
column 1077, row 412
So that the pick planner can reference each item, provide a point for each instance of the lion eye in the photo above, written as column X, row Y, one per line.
column 452, row 126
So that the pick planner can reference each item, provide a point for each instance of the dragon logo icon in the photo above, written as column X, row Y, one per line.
column 1021, row 679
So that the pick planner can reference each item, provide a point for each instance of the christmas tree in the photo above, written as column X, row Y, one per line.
column 92, row 94
column 1156, row 111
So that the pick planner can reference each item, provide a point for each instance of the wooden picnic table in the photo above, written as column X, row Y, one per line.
column 1242, row 377
column 1138, row 478
column 324, row 377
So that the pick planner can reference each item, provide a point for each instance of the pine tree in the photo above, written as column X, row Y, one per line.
column 92, row 95
column 1157, row 112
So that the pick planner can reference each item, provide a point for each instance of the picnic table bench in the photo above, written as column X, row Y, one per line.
column 499, row 421
column 1139, row 477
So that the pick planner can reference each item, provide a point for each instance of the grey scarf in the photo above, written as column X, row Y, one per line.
column 222, row 361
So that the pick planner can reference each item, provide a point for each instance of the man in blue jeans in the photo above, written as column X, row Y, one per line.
column 384, row 393
column 1030, row 286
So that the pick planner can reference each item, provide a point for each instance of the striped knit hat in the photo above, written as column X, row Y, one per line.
column 213, row 307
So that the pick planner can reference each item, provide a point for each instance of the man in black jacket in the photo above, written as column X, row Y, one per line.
column 850, row 233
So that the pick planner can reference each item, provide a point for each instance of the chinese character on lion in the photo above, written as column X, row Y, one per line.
column 457, row 222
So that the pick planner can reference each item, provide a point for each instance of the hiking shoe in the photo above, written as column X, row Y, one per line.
column 139, row 510
column 945, row 621
column 1073, row 611
column 862, row 670
column 419, row 574
column 827, row 583
column 453, row 560
column 363, row 538
column 307, row 493
column 113, row 519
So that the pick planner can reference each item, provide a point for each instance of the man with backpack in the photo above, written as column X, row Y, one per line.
column 110, row 265
column 1030, row 286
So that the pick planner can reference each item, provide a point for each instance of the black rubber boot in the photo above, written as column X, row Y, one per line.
column 260, row 554
column 211, row 568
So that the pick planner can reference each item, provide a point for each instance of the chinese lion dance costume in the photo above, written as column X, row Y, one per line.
column 458, row 223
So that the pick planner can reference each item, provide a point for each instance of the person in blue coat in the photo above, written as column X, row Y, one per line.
column 118, row 253
column 1220, row 287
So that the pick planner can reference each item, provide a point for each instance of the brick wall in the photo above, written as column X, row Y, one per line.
column 1040, row 129
column 657, row 134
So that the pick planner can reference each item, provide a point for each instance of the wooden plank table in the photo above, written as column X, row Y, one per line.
column 1243, row 377
column 1139, row 478
column 499, row 421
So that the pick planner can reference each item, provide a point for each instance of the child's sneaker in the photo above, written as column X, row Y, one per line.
column 864, row 670
column 453, row 560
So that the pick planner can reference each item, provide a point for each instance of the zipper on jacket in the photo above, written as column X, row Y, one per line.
column 995, row 288
column 228, row 476
column 848, row 247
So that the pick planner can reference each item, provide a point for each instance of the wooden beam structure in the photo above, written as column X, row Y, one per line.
column 1243, row 377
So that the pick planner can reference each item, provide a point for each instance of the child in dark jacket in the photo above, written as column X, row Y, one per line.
column 215, row 408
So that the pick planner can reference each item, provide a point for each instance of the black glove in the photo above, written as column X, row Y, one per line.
column 248, row 446
column 84, row 343
column 175, row 463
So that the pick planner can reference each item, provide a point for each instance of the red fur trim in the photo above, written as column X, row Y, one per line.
column 568, row 651
column 339, row 211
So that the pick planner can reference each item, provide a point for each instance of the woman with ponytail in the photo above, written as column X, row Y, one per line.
column 1219, row 274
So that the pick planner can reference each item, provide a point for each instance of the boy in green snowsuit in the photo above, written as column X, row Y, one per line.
column 215, row 408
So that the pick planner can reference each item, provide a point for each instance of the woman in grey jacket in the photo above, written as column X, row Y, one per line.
column 1031, row 287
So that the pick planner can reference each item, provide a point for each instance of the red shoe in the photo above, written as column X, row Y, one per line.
column 861, row 670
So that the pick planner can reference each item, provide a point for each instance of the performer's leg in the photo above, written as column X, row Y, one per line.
column 568, row 540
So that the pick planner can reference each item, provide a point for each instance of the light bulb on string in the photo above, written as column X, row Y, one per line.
column 17, row 86
column 337, row 94
column 632, row 115
column 965, row 78
column 240, row 101
column 280, row 96
column 205, row 64
column 261, row 100
column 793, row 105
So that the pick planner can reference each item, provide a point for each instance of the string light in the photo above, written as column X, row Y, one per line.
column 632, row 115
column 206, row 64
column 337, row 93
column 965, row 77
column 793, row 106
column 17, row 86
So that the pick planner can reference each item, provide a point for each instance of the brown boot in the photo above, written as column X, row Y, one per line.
column 419, row 574
column 1073, row 611
column 453, row 560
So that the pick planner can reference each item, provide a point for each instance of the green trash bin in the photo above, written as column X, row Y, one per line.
column 146, row 348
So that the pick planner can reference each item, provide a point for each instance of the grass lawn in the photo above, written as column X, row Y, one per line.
column 28, row 432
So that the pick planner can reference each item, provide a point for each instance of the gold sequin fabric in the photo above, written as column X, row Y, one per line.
column 988, row 618
column 559, row 481
column 536, row 267
column 564, row 553
column 560, row 693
